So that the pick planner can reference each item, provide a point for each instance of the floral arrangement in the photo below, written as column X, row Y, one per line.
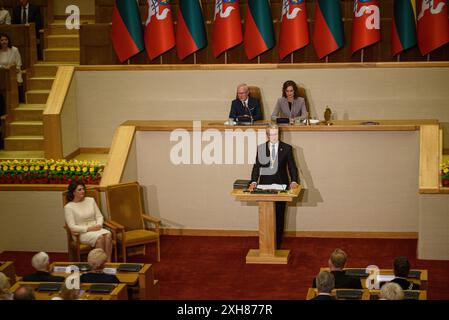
column 444, row 173
column 49, row 171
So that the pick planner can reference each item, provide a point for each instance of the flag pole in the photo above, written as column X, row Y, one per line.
column 361, row 56
column 428, row 57
column 194, row 58
column 398, row 57
column 291, row 57
column 226, row 57
column 258, row 59
column 160, row 59
column 128, row 61
column 326, row 59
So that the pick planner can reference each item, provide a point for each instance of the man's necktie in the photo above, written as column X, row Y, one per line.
column 273, row 152
column 24, row 15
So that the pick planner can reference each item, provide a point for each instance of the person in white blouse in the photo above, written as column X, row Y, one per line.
column 83, row 216
column 5, row 17
column 9, row 56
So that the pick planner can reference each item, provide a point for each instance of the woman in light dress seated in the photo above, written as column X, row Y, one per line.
column 83, row 216
column 290, row 105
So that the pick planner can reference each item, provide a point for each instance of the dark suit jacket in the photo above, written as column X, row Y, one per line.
column 263, row 174
column 92, row 277
column 323, row 297
column 405, row 284
column 41, row 276
column 237, row 109
column 342, row 281
column 34, row 15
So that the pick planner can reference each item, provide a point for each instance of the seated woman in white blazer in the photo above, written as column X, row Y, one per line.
column 290, row 105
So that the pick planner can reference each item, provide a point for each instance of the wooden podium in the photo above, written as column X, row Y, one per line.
column 267, row 252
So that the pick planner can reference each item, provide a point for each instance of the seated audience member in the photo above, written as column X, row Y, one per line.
column 25, row 292
column 337, row 262
column 5, row 17
column 325, row 283
column 41, row 263
column 244, row 105
column 67, row 294
column 401, row 271
column 290, row 105
column 5, row 294
column 391, row 291
column 83, row 216
column 9, row 56
column 96, row 259
column 26, row 13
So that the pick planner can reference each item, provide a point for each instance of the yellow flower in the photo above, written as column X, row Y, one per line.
column 58, row 168
column 52, row 167
column 84, row 169
column 5, row 168
column 32, row 168
column 446, row 170
column 66, row 168
column 37, row 168
column 45, row 167
column 78, row 169
column 25, row 168
column 19, row 167
column 72, row 168
column 92, row 169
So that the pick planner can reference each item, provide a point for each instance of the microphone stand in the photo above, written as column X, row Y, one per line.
column 250, row 113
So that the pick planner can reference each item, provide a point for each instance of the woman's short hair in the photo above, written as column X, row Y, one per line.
column 391, row 291
column 290, row 83
column 96, row 258
column 4, row 35
column 338, row 258
column 71, row 189
column 40, row 261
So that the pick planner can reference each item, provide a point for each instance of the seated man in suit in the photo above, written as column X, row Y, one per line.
column 244, row 105
column 96, row 259
column 27, row 13
column 401, row 271
column 41, row 262
column 274, row 163
column 337, row 262
column 325, row 284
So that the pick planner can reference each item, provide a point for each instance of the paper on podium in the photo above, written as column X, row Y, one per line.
column 384, row 277
column 273, row 186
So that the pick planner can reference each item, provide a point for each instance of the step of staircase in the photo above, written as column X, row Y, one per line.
column 59, row 28
column 24, row 143
column 29, row 112
column 40, row 83
column 37, row 96
column 26, row 128
column 62, row 54
column 49, row 69
column 63, row 41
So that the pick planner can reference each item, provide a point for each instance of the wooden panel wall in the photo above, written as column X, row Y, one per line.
column 375, row 53
column 46, row 8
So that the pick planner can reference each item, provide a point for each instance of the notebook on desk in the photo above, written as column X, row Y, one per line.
column 129, row 267
column 101, row 288
column 349, row 294
column 356, row 273
column 49, row 287
column 282, row 120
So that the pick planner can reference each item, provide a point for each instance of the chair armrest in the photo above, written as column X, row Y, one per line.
column 110, row 224
column 151, row 219
column 116, row 225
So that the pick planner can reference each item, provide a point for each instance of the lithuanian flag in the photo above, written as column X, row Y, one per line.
column 403, row 35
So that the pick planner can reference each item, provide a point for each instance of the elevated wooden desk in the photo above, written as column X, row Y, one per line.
column 267, row 252
column 365, row 294
column 119, row 292
column 143, row 280
column 7, row 267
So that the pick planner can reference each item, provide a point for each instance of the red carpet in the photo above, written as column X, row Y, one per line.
column 214, row 267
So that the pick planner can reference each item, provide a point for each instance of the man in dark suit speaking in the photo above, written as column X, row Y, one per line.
column 244, row 105
column 274, row 159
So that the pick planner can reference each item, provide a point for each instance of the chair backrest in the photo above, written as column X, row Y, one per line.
column 255, row 92
column 303, row 94
column 92, row 192
column 124, row 203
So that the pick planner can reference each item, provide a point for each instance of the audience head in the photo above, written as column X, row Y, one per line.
column 4, row 286
column 273, row 133
column 76, row 190
column 69, row 294
column 290, row 89
column 40, row 261
column 242, row 91
column 23, row 3
column 25, row 292
column 337, row 260
column 97, row 258
column 5, row 41
column 325, row 282
column 391, row 291
column 401, row 267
